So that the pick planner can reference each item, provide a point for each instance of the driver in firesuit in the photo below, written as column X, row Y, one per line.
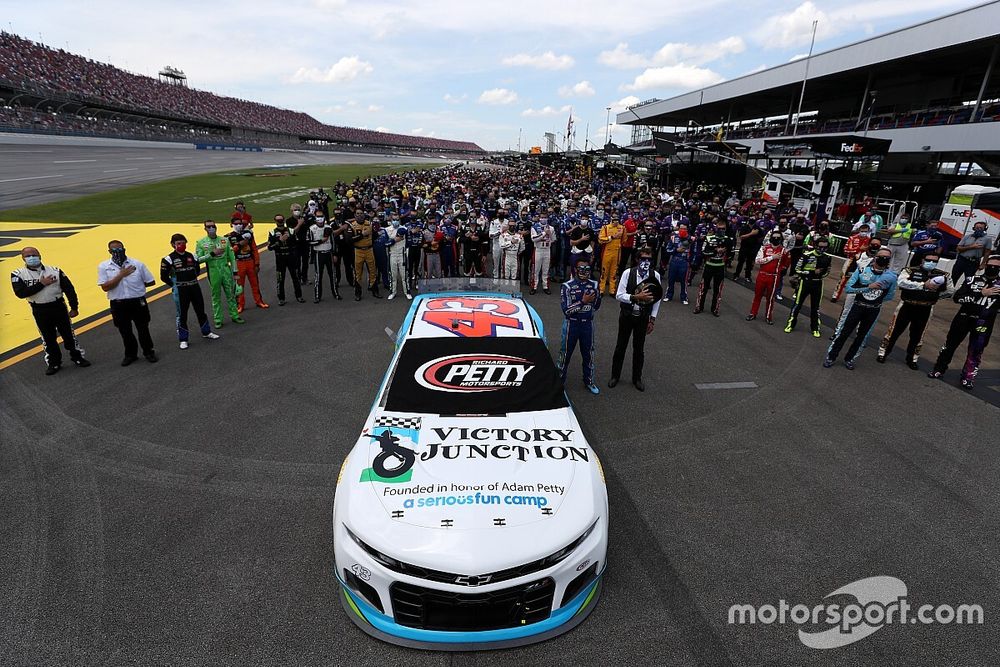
column 220, row 263
column 580, row 298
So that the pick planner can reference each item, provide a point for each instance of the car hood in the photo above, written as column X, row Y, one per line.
column 470, row 492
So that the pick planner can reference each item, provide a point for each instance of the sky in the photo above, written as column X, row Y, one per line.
column 481, row 71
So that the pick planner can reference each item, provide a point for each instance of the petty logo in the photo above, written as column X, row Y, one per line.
column 473, row 372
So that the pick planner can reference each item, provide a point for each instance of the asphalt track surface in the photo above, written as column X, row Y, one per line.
column 179, row 513
column 37, row 169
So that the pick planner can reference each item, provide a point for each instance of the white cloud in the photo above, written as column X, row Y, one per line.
column 674, row 76
column 672, row 53
column 382, row 129
column 454, row 99
column 422, row 132
column 581, row 89
column 624, row 103
column 794, row 28
column 547, row 60
column 346, row 69
column 546, row 111
column 498, row 96
column 374, row 108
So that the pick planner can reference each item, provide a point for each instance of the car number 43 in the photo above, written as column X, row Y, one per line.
column 363, row 573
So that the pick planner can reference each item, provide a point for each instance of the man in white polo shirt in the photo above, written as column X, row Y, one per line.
column 125, row 280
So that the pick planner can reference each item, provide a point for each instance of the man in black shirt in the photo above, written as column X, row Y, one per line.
column 180, row 270
column 281, row 242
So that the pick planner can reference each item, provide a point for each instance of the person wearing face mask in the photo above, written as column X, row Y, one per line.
column 971, row 250
column 511, row 245
column 610, row 237
column 978, row 299
column 361, row 233
column 864, row 259
column 716, row 250
column 397, row 259
column 47, row 289
column 180, row 270
column 772, row 260
column 496, row 258
column 811, row 269
column 433, row 237
column 321, row 240
column 580, row 299
column 125, row 280
column 582, row 241
column 639, row 292
column 414, row 248
column 676, row 252
column 542, row 238
column 303, row 251
column 856, row 246
column 220, row 263
column 281, row 242
column 899, row 233
column 872, row 286
column 920, row 287
column 926, row 241
column 240, row 213
column 247, row 266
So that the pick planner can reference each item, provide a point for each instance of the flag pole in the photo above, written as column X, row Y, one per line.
column 802, row 93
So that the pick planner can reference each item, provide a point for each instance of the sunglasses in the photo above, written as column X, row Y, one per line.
column 210, row 227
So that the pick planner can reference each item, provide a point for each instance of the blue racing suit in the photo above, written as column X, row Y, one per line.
column 579, row 325
column 676, row 253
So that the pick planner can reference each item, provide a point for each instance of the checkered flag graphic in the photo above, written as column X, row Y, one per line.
column 399, row 422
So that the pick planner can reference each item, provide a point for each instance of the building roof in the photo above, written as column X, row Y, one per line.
column 961, row 42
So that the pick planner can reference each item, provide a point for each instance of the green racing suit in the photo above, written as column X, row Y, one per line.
column 221, row 271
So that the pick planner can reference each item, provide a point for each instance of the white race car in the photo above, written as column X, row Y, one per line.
column 471, row 513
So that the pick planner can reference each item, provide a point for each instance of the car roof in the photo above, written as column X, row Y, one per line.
column 471, row 315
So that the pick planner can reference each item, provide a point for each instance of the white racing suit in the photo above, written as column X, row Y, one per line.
column 397, row 264
column 542, row 235
column 495, row 250
column 511, row 245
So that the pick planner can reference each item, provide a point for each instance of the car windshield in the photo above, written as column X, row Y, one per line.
column 474, row 376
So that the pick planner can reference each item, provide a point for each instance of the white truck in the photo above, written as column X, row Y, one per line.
column 958, row 215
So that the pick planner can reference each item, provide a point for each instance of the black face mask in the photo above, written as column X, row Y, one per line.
column 882, row 261
column 991, row 271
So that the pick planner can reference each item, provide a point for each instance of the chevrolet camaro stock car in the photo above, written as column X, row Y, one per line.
column 471, row 513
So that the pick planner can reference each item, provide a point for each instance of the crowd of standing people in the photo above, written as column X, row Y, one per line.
column 593, row 235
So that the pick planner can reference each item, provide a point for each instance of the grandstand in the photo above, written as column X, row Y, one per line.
column 52, row 91
column 931, row 90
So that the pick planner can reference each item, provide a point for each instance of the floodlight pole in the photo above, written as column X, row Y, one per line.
column 805, row 77
column 607, row 128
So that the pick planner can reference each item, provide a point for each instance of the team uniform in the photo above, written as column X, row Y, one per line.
column 772, row 260
column 856, row 245
column 610, row 238
column 864, row 311
column 322, row 251
column 675, row 254
column 811, row 269
column 284, row 261
column 542, row 238
column 914, row 310
column 975, row 318
column 414, row 246
column 48, row 307
column 715, row 250
column 397, row 262
column 361, row 234
column 221, row 275
column 180, row 271
column 128, row 305
column 247, row 265
column 511, row 245
column 579, row 325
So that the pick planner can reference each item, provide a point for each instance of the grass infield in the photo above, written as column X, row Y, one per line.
column 266, row 192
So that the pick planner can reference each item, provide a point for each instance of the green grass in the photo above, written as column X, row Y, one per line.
column 190, row 198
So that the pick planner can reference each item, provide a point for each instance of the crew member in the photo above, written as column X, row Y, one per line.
column 281, row 242
column 247, row 266
column 855, row 247
column 180, row 270
column 361, row 233
column 542, row 237
column 978, row 299
column 873, row 285
column 864, row 259
column 677, row 251
column 925, row 242
column 44, row 288
column 640, row 302
column 610, row 238
column 397, row 259
column 220, row 263
column 433, row 237
column 414, row 247
column 511, row 245
column 125, row 280
column 321, row 241
column 773, row 259
column 300, row 228
column 715, row 251
column 919, row 289
column 810, row 271
column 899, row 241
column 971, row 250
column 580, row 298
